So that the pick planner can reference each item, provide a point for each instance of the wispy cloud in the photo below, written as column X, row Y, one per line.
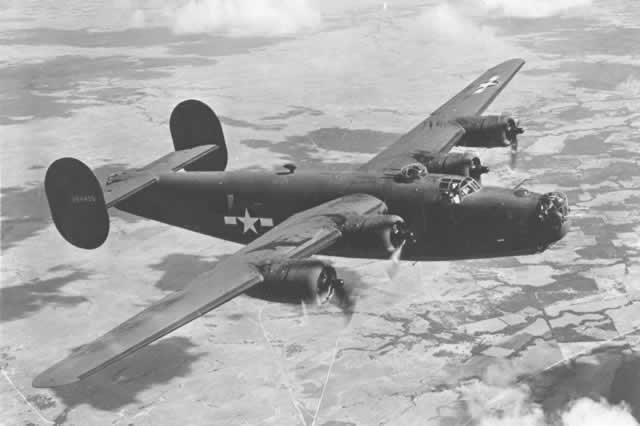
column 500, row 400
column 587, row 412
column 242, row 17
column 532, row 9
column 447, row 22
column 463, row 23
column 629, row 87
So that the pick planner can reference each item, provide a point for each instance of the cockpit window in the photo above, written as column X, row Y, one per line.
column 456, row 189
column 469, row 186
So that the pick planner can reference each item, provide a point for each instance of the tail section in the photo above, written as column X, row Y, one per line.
column 193, row 124
column 79, row 202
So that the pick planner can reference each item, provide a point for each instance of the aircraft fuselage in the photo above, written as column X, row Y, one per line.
column 242, row 205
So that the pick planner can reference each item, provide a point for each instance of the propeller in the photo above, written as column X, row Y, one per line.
column 512, row 130
column 400, row 234
column 476, row 169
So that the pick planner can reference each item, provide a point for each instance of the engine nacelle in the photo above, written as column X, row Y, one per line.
column 489, row 131
column 384, row 231
column 457, row 163
column 297, row 280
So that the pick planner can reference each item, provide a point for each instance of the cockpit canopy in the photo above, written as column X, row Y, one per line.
column 455, row 189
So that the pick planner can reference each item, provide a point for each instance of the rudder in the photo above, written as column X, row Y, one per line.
column 193, row 123
column 77, row 204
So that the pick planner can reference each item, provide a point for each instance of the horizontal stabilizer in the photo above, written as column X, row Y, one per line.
column 124, row 184
column 79, row 203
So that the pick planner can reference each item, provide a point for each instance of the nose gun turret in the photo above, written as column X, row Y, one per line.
column 552, row 214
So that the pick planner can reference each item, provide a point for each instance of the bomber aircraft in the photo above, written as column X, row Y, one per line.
column 414, row 196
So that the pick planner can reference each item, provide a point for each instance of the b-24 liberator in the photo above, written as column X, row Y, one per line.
column 415, row 198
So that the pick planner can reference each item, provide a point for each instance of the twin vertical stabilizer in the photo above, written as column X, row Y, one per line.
column 79, row 202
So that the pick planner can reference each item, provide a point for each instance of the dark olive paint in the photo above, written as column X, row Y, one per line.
column 488, row 223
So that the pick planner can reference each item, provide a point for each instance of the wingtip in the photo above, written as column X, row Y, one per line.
column 41, row 381
column 520, row 61
column 52, row 378
column 510, row 65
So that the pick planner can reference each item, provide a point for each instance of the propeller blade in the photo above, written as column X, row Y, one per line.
column 346, row 301
column 512, row 131
column 305, row 315
column 397, row 253
column 514, row 152
column 394, row 259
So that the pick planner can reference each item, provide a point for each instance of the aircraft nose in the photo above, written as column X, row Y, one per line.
column 552, row 212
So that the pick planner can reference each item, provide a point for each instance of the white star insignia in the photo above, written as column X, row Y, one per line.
column 248, row 222
column 493, row 81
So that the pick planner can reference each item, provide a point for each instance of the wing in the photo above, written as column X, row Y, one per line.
column 430, row 136
column 300, row 236
column 312, row 230
column 439, row 132
column 209, row 290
